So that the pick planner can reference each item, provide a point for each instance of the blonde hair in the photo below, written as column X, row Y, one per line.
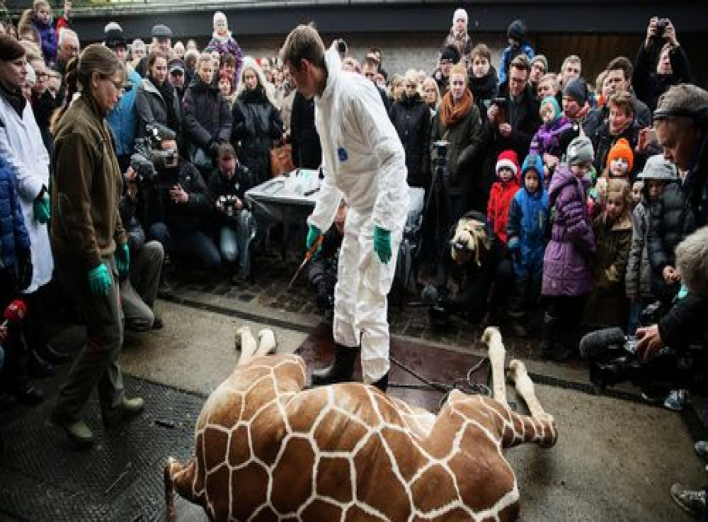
column 620, row 186
column 204, row 57
column 459, row 68
column 430, row 82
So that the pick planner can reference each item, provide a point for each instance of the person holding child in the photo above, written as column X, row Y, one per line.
column 546, row 143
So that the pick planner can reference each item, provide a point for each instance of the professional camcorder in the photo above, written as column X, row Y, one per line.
column 613, row 357
column 148, row 156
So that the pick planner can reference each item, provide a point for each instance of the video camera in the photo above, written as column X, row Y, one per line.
column 229, row 203
column 148, row 155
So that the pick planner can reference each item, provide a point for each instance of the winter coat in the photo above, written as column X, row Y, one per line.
column 43, row 106
column 256, row 124
column 307, row 151
column 549, row 138
column 48, row 37
column 86, row 186
column 681, row 209
column 411, row 118
column 227, row 45
column 647, row 83
column 205, row 115
column 220, row 185
column 509, row 53
column 14, row 237
column 566, row 262
column 185, row 219
column 463, row 149
column 685, row 323
column 152, row 111
column 528, row 225
column 461, row 41
column 603, row 141
column 638, row 277
column 484, row 90
column 598, row 116
column 133, row 228
column 22, row 148
column 123, row 119
column 498, row 207
column 607, row 305
column 524, row 120
column 362, row 156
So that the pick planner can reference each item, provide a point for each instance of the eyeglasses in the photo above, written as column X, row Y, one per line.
column 177, row 72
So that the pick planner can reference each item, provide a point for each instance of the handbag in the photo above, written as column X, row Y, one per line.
column 281, row 159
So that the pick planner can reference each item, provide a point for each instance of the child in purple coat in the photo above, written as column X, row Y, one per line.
column 567, row 276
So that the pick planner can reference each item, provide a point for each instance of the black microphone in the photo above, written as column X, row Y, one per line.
column 596, row 343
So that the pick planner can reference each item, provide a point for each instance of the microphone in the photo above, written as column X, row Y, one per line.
column 14, row 312
column 596, row 343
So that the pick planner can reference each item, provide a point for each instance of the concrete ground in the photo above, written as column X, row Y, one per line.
column 614, row 460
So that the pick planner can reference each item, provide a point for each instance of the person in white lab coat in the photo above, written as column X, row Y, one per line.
column 22, row 147
column 364, row 162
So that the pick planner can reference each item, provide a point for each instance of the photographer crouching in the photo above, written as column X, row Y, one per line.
column 176, row 206
column 227, row 187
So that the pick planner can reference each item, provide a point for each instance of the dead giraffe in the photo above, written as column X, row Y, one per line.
column 267, row 450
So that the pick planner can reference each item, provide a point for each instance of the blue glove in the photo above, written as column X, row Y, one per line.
column 382, row 244
column 99, row 280
column 41, row 209
column 312, row 234
column 122, row 256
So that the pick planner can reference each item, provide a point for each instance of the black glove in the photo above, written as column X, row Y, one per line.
column 24, row 269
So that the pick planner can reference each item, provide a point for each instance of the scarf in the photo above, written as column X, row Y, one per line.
column 452, row 114
column 15, row 98
column 168, row 94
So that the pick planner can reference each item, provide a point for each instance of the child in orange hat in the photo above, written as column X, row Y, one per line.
column 620, row 161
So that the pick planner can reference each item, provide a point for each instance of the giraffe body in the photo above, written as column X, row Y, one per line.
column 268, row 450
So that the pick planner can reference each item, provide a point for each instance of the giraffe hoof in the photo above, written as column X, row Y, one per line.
column 489, row 333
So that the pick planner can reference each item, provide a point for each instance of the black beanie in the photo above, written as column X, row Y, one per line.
column 451, row 54
column 577, row 89
column 516, row 30
column 10, row 49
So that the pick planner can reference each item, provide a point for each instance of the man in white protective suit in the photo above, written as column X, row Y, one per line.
column 363, row 161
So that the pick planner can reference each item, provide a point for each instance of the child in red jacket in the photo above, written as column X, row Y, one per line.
column 502, row 193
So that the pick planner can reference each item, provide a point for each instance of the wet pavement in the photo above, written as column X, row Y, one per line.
column 615, row 458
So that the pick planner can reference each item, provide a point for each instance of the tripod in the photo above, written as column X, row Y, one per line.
column 438, row 207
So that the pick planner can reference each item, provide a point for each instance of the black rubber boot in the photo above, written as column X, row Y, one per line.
column 382, row 383
column 341, row 370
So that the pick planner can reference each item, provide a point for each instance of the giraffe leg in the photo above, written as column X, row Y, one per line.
column 246, row 343
column 524, row 387
column 266, row 342
column 177, row 477
column 493, row 339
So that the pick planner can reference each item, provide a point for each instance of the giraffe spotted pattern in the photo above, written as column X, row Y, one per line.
column 268, row 450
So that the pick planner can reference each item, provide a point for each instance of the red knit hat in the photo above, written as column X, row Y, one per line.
column 510, row 160
column 621, row 149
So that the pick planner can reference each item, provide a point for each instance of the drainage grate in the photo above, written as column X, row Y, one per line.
column 46, row 478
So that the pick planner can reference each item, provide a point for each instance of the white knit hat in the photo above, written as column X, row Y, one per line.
column 220, row 16
column 459, row 13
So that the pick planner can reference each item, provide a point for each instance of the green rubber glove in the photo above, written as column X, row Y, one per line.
column 99, row 280
column 312, row 234
column 122, row 256
column 382, row 244
column 41, row 209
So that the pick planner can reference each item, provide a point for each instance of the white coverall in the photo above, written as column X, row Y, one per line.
column 364, row 162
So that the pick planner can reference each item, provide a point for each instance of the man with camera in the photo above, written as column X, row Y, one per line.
column 139, row 288
column 661, row 62
column 177, row 207
column 227, row 187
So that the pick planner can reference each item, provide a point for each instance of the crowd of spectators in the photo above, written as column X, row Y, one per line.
column 568, row 172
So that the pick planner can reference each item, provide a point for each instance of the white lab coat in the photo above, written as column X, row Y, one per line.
column 363, row 160
column 22, row 146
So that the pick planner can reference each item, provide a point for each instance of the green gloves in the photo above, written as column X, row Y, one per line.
column 312, row 234
column 122, row 256
column 99, row 280
column 382, row 244
column 41, row 208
